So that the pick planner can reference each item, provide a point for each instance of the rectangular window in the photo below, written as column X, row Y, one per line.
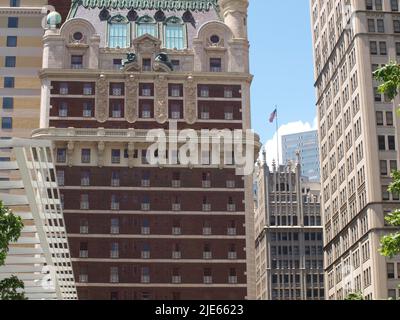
column 10, row 62
column 118, row 35
column 385, row 193
column 87, row 109
column 76, row 62
column 229, row 113
column 381, row 143
column 381, row 25
column 382, row 48
column 60, row 177
column 85, row 156
column 174, row 36
column 6, row 123
column 9, row 82
column 390, row 270
column 12, row 22
column 117, row 64
column 116, row 110
column 394, row 4
column 389, row 118
column 85, row 178
column 116, row 89
column 63, row 110
column 8, row 102
column 371, row 25
column 373, row 47
column 146, row 111
column 377, row 95
column 205, row 112
column 379, row 118
column 146, row 90
column 61, row 155
column 146, row 64
column 383, row 168
column 15, row 3
column 396, row 26
column 63, row 88
column 393, row 165
column 215, row 65
column 115, row 156
column 11, row 41
column 87, row 89
column 176, row 111
column 175, row 91
column 392, row 143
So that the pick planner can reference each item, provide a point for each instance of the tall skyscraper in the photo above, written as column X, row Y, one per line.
column 20, row 59
column 112, row 73
column 289, row 246
column 306, row 144
column 359, row 134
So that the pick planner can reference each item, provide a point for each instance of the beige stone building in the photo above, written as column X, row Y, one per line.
column 20, row 61
column 289, row 246
column 359, row 134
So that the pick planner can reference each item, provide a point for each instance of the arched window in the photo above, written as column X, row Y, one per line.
column 146, row 25
column 118, row 32
column 174, row 33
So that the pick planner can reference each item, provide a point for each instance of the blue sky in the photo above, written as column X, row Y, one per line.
column 281, row 62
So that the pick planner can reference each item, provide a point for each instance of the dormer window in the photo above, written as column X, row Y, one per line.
column 118, row 32
column 146, row 25
column 146, row 64
column 174, row 34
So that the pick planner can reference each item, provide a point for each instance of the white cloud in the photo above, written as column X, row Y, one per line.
column 289, row 128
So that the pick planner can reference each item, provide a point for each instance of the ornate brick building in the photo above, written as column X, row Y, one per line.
column 112, row 72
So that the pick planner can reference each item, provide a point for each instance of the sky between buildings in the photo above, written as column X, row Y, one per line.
column 281, row 61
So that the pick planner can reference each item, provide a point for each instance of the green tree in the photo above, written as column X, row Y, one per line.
column 10, row 230
column 389, row 77
column 355, row 296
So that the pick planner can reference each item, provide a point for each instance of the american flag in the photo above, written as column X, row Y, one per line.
column 273, row 116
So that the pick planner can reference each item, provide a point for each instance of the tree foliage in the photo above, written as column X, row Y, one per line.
column 355, row 296
column 10, row 230
column 389, row 77
column 9, row 289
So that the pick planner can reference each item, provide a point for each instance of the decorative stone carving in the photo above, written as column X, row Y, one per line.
column 162, row 63
column 131, row 63
column 190, row 88
column 131, row 99
column 102, row 88
column 146, row 45
column 100, row 153
column 161, row 99
column 70, row 153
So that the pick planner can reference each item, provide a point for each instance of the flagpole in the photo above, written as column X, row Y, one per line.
column 277, row 137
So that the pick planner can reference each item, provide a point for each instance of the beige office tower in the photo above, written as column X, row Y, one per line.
column 289, row 246
column 20, row 61
column 358, row 136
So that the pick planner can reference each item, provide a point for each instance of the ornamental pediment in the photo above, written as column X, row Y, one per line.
column 146, row 44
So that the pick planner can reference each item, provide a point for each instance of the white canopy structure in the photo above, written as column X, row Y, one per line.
column 28, row 186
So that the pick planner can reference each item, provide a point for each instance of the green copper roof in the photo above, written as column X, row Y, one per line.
column 166, row 5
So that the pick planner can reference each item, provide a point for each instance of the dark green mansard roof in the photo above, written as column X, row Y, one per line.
column 165, row 5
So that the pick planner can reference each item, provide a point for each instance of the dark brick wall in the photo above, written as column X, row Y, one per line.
column 97, row 293
column 159, row 224
column 158, row 220
column 62, row 6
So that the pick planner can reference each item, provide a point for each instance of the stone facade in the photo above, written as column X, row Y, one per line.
column 139, row 231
